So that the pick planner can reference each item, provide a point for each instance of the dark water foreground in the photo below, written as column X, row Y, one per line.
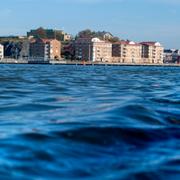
column 76, row 122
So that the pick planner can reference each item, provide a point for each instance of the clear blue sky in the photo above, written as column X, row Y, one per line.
column 129, row 19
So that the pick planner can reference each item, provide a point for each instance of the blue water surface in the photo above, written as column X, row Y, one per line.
column 89, row 122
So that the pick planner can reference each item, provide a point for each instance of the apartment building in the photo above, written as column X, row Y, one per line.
column 1, row 51
column 93, row 49
column 138, row 53
column 25, row 49
column 152, row 52
column 171, row 55
column 126, row 52
column 46, row 49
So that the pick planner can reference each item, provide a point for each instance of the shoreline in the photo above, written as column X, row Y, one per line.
column 77, row 63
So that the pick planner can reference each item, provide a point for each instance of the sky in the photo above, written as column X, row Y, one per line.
column 137, row 20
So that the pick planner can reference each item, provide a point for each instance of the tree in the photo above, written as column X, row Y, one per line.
column 114, row 39
column 87, row 33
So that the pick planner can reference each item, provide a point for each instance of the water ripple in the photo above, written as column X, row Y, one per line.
column 82, row 122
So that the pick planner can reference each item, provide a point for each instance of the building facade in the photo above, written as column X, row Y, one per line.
column 171, row 56
column 152, row 52
column 46, row 49
column 138, row 53
column 93, row 49
column 1, row 51
column 25, row 51
column 126, row 52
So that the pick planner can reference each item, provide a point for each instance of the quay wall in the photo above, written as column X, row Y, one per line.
column 69, row 62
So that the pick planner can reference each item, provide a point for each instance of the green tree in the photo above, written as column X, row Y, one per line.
column 87, row 33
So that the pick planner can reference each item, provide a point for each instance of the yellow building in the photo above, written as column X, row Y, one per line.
column 126, row 52
column 152, row 52
column 137, row 53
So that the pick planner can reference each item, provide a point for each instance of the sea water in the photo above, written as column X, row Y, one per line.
column 89, row 122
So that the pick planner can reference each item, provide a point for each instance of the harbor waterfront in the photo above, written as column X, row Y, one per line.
column 70, row 62
column 89, row 122
column 87, row 46
column 109, row 64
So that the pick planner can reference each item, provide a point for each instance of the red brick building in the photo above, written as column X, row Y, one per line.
column 46, row 49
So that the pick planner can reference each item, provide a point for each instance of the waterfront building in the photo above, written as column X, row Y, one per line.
column 126, row 52
column 1, row 51
column 25, row 50
column 176, row 56
column 138, row 53
column 171, row 56
column 68, row 51
column 93, row 49
column 12, row 46
column 168, row 55
column 152, row 52
column 46, row 49
column 24, row 54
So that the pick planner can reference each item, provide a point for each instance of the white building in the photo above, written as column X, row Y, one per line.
column 1, row 51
